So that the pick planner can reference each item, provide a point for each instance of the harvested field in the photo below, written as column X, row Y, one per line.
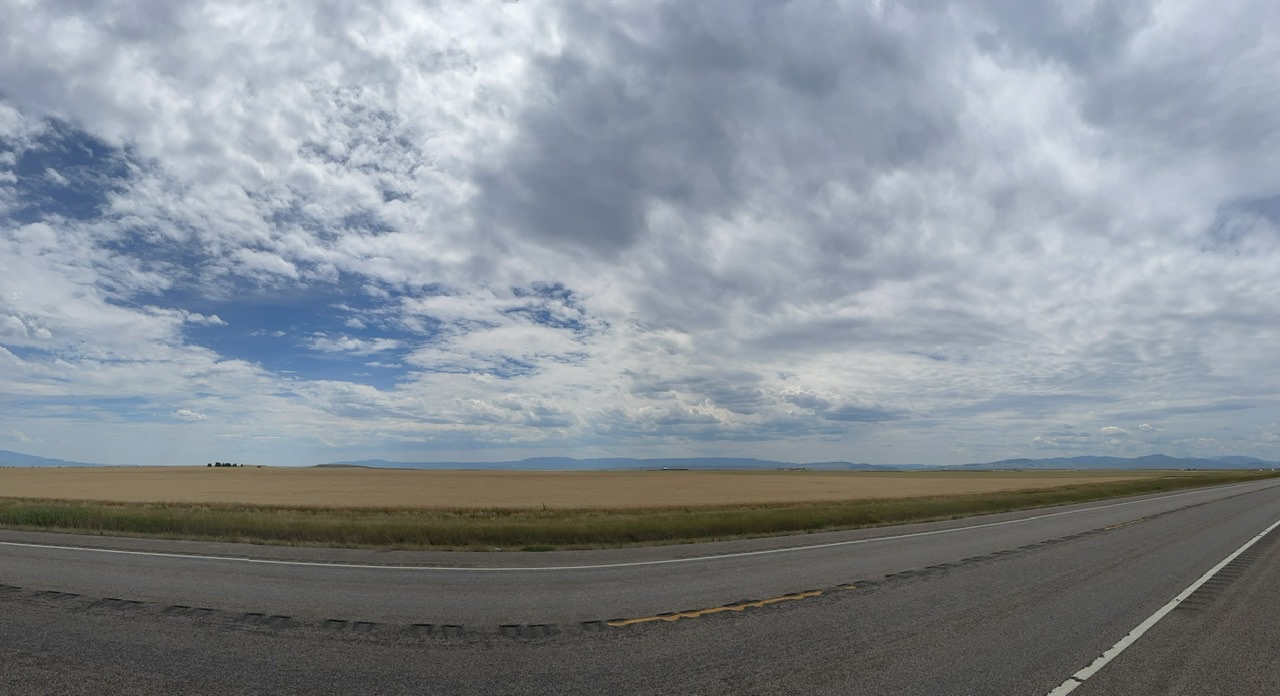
column 401, row 488
column 531, row 510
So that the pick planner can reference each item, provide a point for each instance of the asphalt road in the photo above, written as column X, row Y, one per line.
column 1010, row 604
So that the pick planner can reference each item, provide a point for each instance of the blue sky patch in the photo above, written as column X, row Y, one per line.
column 281, row 330
column 66, row 173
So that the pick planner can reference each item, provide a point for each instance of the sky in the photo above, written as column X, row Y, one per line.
column 298, row 232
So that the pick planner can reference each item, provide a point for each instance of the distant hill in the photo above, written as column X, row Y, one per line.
column 613, row 463
column 8, row 458
column 1152, row 461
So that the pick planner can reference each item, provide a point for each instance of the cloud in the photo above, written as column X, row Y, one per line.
column 186, row 414
column 17, row 328
column 810, row 230
column 53, row 176
column 854, row 414
column 211, row 320
column 253, row 262
column 625, row 134
column 348, row 344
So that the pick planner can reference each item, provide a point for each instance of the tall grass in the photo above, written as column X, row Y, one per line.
column 544, row 529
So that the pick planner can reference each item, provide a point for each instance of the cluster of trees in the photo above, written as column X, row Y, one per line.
column 223, row 464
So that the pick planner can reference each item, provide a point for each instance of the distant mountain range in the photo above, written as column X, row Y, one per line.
column 8, row 458
column 612, row 463
column 1151, row 461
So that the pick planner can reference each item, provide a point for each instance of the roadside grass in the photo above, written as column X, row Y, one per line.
column 545, row 530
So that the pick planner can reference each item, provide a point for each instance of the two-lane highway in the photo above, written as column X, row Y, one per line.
column 1004, row 604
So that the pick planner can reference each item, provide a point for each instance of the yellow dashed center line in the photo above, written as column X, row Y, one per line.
column 716, row 610
column 1123, row 524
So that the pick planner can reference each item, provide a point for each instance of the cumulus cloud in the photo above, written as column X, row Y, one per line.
column 348, row 344
column 800, row 230
column 211, row 320
column 17, row 328
column 186, row 414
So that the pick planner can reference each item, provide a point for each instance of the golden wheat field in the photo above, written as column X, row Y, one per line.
column 401, row 488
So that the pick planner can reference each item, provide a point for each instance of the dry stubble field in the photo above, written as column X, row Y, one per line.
column 536, row 510
column 404, row 488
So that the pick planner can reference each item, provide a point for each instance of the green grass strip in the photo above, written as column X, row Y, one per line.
column 537, row 529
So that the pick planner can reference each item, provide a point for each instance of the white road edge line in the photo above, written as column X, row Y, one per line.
column 1114, row 651
column 602, row 566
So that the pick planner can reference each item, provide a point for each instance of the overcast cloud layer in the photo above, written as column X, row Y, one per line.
column 295, row 232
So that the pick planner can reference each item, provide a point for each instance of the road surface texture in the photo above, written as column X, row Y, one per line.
column 1006, row 604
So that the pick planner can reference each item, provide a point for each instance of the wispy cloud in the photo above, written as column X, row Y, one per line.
column 348, row 344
